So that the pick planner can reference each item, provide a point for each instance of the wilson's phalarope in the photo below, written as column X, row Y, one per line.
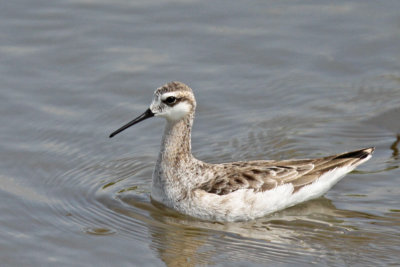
column 230, row 191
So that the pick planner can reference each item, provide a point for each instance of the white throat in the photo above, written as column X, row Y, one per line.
column 176, row 112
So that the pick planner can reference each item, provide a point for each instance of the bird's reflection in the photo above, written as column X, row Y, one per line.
column 289, row 235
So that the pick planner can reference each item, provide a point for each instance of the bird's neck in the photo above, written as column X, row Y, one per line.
column 174, row 161
column 176, row 148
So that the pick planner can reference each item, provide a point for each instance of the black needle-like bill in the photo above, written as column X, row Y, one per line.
column 147, row 114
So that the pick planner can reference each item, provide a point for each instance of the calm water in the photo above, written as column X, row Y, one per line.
column 273, row 79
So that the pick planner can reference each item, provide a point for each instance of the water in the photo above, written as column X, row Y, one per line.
column 272, row 80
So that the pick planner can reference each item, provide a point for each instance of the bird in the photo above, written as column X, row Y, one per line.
column 233, row 191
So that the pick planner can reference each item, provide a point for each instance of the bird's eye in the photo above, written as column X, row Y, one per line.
column 170, row 100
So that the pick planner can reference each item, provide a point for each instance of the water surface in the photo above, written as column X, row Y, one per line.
column 273, row 80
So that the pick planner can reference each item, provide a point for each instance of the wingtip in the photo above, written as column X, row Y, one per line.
column 369, row 150
column 360, row 154
column 367, row 153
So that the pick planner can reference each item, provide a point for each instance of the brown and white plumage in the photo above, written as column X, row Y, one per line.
column 231, row 191
column 265, row 175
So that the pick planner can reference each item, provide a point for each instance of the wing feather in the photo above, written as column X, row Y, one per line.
column 266, row 175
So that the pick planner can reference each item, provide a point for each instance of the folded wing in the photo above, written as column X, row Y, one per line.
column 266, row 175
